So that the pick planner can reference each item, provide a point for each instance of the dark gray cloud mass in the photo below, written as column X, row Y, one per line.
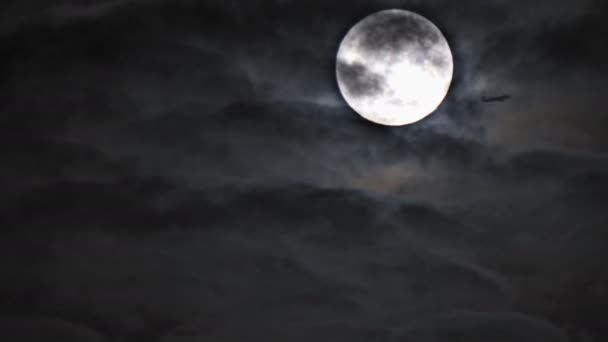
column 392, row 30
column 360, row 80
column 187, row 171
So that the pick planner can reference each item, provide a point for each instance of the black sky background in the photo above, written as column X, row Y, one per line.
column 187, row 171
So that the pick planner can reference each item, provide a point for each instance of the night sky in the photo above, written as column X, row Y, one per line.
column 180, row 171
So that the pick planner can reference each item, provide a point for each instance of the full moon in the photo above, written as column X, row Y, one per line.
column 394, row 67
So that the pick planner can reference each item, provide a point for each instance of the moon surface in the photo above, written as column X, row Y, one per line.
column 394, row 67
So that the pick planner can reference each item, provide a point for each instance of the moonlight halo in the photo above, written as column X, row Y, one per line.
column 394, row 67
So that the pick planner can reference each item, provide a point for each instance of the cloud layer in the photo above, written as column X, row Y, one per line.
column 186, row 171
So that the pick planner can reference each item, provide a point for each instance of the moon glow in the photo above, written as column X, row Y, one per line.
column 394, row 67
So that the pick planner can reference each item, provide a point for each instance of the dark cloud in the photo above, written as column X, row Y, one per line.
column 470, row 326
column 391, row 31
column 22, row 329
column 182, row 170
column 337, row 258
column 358, row 80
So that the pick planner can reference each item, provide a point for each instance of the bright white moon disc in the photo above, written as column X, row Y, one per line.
column 394, row 67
